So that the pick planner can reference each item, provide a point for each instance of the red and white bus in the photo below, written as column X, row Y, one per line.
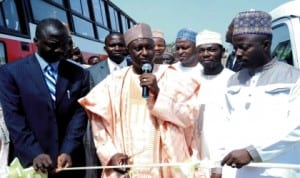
column 89, row 22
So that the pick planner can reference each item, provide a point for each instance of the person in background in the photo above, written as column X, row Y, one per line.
column 214, row 78
column 116, row 50
column 159, row 46
column 77, row 55
column 262, row 103
column 92, row 60
column 39, row 99
column 131, row 129
column 186, row 53
column 231, row 62
column 4, row 142
column 168, row 58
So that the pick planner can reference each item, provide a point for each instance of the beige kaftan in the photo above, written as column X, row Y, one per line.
column 149, row 131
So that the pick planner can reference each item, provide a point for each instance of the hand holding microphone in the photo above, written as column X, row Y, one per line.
column 146, row 68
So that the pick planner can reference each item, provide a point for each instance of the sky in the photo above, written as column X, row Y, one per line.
column 169, row 16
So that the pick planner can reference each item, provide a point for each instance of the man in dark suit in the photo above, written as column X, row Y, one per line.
column 46, row 126
column 231, row 62
column 116, row 51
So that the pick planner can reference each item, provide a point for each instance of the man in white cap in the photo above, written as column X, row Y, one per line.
column 130, row 129
column 213, row 77
column 159, row 46
column 262, row 103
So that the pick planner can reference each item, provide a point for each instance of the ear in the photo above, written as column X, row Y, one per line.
column 223, row 50
column 267, row 44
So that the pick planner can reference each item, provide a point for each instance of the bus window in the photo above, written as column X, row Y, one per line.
column 48, row 11
column 2, row 54
column 99, row 12
column 58, row 2
column 281, row 45
column 124, row 23
column 83, row 27
column 102, row 33
column 113, row 14
column 1, row 17
column 10, row 19
column 131, row 23
column 81, row 7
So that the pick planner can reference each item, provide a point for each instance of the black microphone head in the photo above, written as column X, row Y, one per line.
column 146, row 67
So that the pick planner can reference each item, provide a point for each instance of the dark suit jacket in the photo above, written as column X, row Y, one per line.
column 230, row 64
column 98, row 72
column 35, row 124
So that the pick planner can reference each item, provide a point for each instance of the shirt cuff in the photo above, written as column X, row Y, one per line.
column 254, row 153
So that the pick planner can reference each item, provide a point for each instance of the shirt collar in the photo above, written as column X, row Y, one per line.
column 262, row 68
column 43, row 63
column 112, row 64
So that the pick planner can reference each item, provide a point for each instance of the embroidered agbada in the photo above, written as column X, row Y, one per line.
column 147, row 131
column 263, row 112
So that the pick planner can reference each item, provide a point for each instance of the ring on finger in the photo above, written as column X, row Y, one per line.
column 233, row 165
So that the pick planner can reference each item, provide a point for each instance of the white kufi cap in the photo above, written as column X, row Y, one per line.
column 208, row 37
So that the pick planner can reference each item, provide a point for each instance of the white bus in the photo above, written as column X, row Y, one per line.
column 286, row 32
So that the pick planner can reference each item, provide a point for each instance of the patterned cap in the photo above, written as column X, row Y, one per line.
column 187, row 34
column 138, row 31
column 252, row 22
column 157, row 34
column 206, row 37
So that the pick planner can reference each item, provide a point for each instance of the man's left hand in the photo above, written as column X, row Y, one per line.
column 64, row 160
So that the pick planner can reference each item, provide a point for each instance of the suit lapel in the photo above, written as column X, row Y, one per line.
column 104, row 71
column 105, row 68
column 62, row 82
column 36, row 75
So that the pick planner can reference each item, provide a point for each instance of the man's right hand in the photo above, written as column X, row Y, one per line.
column 43, row 163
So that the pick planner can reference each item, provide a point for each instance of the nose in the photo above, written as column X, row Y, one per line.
column 179, row 51
column 206, row 53
column 144, row 52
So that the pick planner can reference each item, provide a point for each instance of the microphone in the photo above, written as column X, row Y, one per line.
column 146, row 68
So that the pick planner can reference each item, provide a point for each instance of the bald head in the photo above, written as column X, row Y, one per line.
column 50, row 28
column 52, row 40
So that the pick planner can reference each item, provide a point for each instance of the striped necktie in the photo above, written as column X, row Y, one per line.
column 50, row 76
